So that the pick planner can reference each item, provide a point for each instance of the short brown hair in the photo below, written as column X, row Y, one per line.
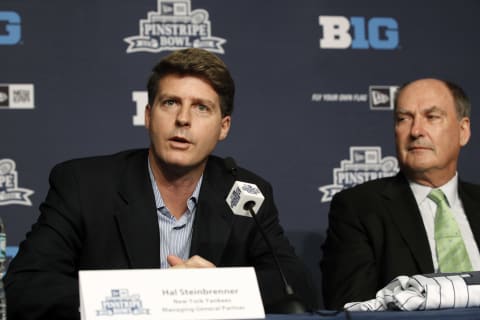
column 199, row 63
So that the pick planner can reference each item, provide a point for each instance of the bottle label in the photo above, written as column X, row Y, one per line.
column 3, row 247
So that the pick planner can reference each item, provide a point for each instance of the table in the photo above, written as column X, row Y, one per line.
column 445, row 314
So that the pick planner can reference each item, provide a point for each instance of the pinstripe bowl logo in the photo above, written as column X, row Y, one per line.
column 365, row 164
column 235, row 196
column 10, row 193
column 121, row 303
column 172, row 27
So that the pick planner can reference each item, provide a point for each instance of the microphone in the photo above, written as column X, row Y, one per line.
column 245, row 199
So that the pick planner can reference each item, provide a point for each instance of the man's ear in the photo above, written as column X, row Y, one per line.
column 148, row 109
column 464, row 131
column 225, row 128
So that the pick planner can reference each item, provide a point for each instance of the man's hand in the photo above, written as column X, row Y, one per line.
column 192, row 262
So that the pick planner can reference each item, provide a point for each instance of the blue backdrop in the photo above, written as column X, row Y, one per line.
column 314, row 86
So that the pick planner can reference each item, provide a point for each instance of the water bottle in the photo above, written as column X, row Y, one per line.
column 3, row 258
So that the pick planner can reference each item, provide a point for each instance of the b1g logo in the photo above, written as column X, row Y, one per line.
column 359, row 33
column 9, row 28
column 141, row 100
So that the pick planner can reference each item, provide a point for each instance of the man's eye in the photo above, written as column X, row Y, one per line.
column 169, row 102
column 202, row 107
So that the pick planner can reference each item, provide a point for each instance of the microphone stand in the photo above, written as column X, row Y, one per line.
column 291, row 303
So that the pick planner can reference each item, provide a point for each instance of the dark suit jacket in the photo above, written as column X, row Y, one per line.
column 100, row 214
column 376, row 233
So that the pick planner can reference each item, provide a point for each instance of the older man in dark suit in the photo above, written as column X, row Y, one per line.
column 397, row 226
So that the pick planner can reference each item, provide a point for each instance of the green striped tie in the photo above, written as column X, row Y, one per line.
column 451, row 252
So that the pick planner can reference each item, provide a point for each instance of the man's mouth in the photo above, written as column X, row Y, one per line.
column 179, row 139
column 419, row 148
column 179, row 142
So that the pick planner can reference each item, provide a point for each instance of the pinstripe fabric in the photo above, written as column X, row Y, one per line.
column 425, row 292
column 175, row 235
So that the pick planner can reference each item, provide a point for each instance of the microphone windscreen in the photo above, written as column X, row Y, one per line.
column 240, row 194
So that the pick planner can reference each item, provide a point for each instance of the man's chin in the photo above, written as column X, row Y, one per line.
column 419, row 161
column 183, row 166
column 418, row 168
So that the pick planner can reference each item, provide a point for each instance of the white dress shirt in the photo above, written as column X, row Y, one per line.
column 428, row 208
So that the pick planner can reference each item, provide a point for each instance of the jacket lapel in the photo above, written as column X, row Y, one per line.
column 471, row 206
column 213, row 218
column 406, row 215
column 136, row 215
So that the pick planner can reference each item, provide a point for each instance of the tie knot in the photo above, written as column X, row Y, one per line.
column 437, row 196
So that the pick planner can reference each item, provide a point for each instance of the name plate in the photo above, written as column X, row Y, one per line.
column 155, row 294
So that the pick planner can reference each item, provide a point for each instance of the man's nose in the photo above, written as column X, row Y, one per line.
column 417, row 129
column 183, row 116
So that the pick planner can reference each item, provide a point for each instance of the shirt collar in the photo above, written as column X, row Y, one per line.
column 450, row 189
column 159, row 203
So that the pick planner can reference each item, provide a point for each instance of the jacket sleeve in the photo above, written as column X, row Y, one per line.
column 42, row 280
column 349, row 267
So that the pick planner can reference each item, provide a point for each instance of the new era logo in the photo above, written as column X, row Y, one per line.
column 17, row 96
column 382, row 97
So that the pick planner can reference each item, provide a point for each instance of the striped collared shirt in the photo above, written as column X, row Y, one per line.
column 175, row 235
